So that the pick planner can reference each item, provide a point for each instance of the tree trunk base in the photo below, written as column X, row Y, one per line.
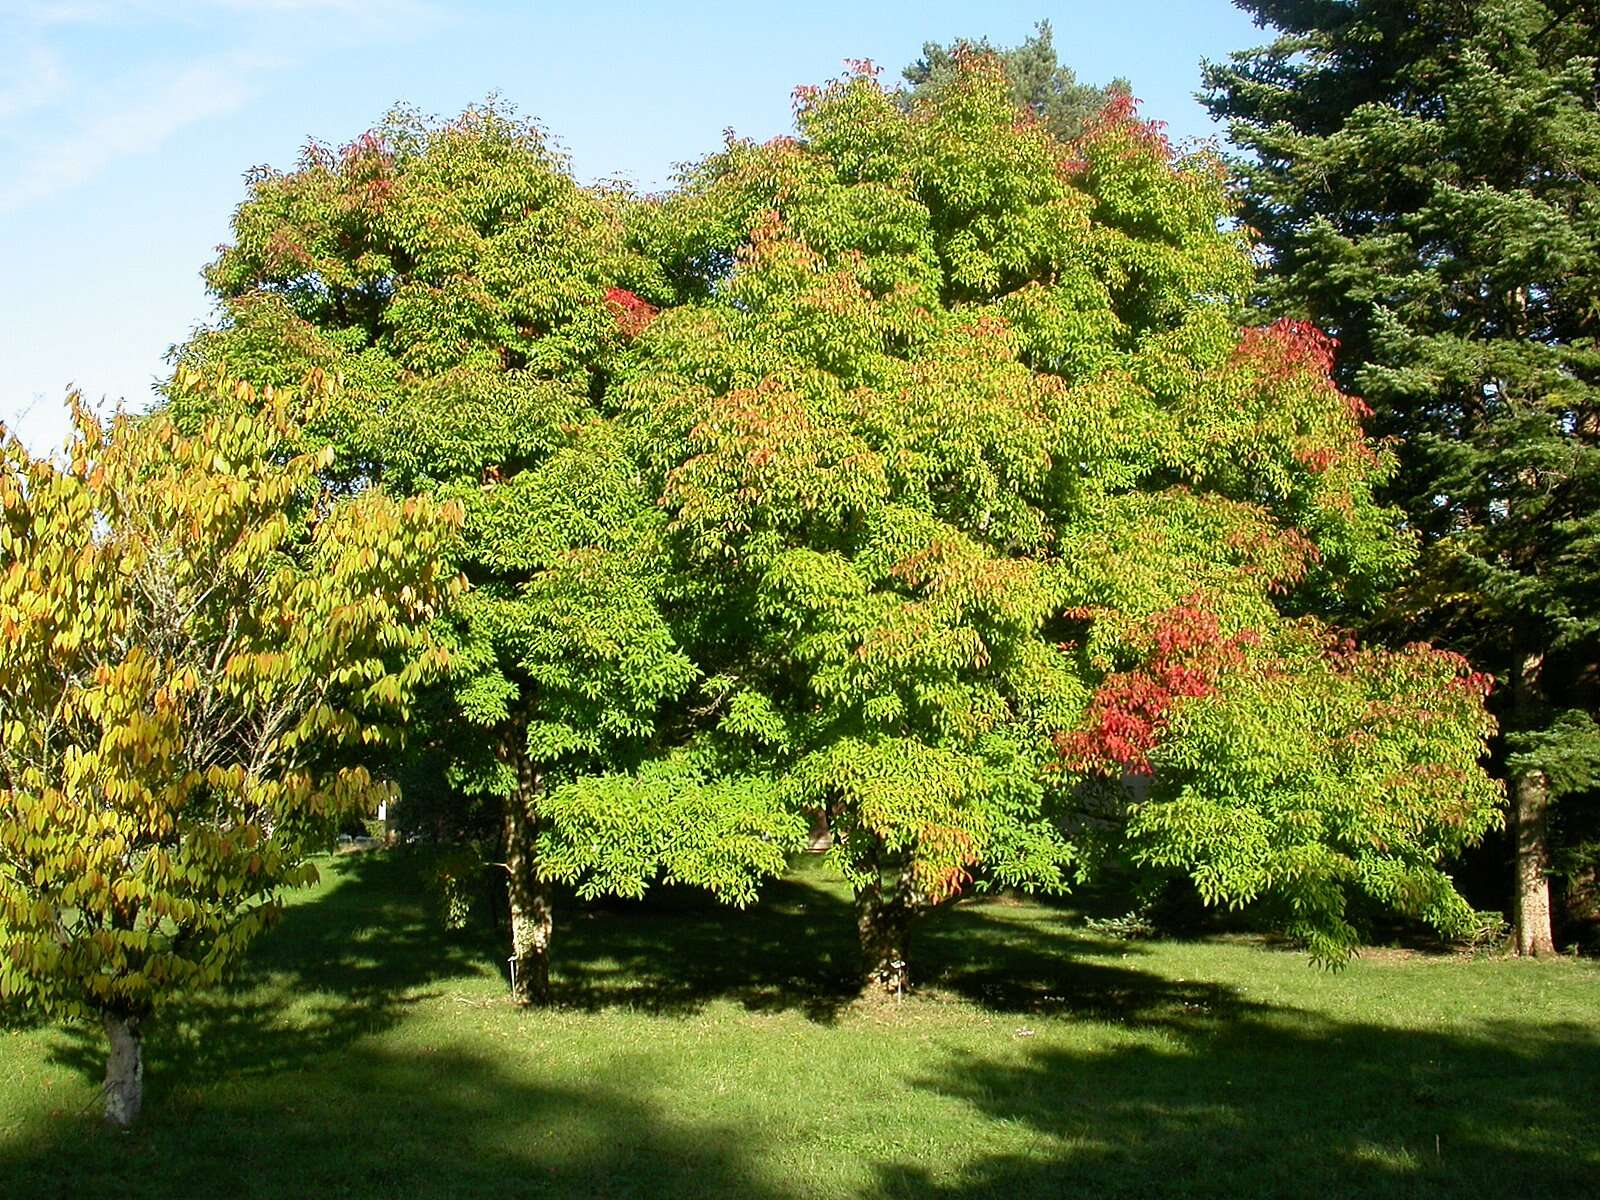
column 124, row 1090
column 531, row 922
column 527, row 896
column 883, row 923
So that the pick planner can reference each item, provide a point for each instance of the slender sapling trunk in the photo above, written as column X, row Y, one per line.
column 124, row 1089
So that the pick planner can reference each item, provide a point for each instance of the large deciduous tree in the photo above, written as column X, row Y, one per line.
column 475, row 300
column 1426, row 176
column 198, row 651
column 989, row 507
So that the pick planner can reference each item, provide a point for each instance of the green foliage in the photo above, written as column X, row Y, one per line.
column 685, row 815
column 1566, row 751
column 477, row 301
column 1316, row 770
column 860, row 474
column 198, row 655
column 454, row 879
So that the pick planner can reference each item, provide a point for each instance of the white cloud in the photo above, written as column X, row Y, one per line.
column 60, row 128
column 38, row 80
column 113, row 130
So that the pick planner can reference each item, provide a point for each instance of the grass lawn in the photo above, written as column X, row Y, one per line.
column 704, row 1052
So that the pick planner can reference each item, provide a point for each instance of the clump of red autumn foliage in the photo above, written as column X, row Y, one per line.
column 1185, row 655
column 1287, row 348
column 632, row 312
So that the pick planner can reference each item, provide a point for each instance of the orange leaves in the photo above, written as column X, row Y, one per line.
column 765, row 457
column 1281, row 557
column 965, row 578
column 945, row 856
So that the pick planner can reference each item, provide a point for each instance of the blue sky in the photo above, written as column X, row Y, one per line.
column 126, row 125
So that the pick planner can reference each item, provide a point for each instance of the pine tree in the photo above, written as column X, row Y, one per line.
column 1426, row 177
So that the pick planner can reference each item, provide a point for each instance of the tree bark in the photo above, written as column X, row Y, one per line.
column 124, row 1090
column 1532, row 793
column 527, row 896
column 883, row 922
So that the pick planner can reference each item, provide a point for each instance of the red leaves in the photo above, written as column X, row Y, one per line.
column 1317, row 460
column 1120, row 109
column 365, row 146
column 1287, row 348
column 943, row 866
column 1289, row 352
column 285, row 254
column 369, row 162
column 1128, row 715
column 633, row 314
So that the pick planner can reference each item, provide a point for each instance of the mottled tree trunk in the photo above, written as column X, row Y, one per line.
column 883, row 921
column 124, row 1088
column 1531, row 790
column 527, row 896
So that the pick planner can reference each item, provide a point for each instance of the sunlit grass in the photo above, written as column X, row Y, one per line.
column 699, row 1051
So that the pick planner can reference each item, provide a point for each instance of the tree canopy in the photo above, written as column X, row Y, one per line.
column 1040, row 82
column 919, row 469
column 476, row 300
column 968, row 457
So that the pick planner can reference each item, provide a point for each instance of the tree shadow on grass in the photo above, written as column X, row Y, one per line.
column 679, row 950
column 983, row 952
column 344, row 964
column 381, row 1124
column 1284, row 1103
column 270, row 1087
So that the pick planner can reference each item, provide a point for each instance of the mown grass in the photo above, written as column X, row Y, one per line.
column 701, row 1052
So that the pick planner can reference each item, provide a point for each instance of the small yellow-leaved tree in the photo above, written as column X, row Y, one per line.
column 200, row 651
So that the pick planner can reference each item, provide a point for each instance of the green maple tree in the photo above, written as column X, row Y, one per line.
column 962, row 439
column 475, row 301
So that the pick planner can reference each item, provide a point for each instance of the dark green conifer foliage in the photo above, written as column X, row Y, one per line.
column 1426, row 176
